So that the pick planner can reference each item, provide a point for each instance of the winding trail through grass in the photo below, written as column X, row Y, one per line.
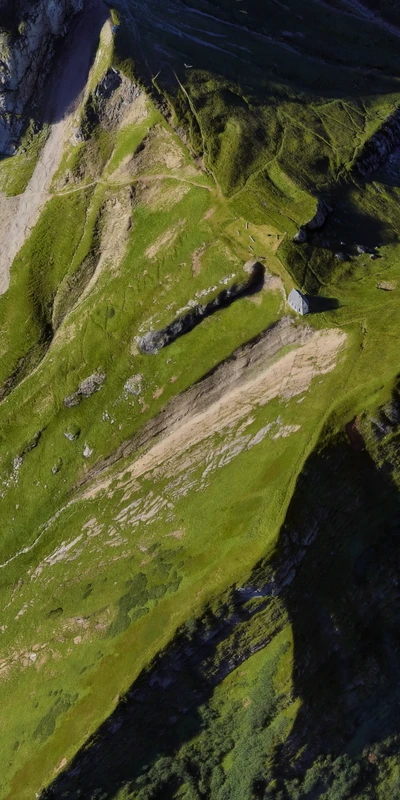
column 19, row 215
column 138, row 179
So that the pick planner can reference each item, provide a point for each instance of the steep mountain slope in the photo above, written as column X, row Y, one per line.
column 199, row 491
column 28, row 37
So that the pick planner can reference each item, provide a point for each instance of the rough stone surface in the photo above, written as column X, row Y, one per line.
column 114, row 95
column 386, row 286
column 88, row 387
column 378, row 149
column 72, row 435
column 28, row 34
column 201, row 395
column 133, row 385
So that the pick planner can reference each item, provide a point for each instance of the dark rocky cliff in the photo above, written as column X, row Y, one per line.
column 28, row 34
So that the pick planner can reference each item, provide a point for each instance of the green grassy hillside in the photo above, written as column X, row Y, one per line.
column 199, row 547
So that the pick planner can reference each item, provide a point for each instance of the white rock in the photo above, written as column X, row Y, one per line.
column 87, row 451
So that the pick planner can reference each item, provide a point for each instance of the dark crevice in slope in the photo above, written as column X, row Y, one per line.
column 74, row 284
column 48, row 313
column 27, row 363
column 154, row 341
column 378, row 149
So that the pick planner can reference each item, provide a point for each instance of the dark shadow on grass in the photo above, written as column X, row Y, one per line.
column 158, row 714
column 318, row 304
column 336, row 570
column 69, row 68
column 344, row 605
column 73, row 60
column 348, row 242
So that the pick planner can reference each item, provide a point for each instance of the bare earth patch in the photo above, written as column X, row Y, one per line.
column 234, row 395
column 288, row 377
column 177, row 534
column 116, row 225
column 166, row 240
column 196, row 260
column 160, row 152
column 159, row 195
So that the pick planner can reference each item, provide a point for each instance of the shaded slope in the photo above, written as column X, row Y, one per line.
column 334, row 580
column 266, row 84
column 19, row 215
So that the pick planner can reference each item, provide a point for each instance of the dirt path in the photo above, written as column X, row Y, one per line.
column 18, row 215
column 153, row 177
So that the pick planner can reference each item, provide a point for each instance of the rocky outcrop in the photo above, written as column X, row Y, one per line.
column 249, row 359
column 154, row 341
column 314, row 224
column 114, row 96
column 29, row 30
column 109, row 104
column 378, row 149
column 88, row 387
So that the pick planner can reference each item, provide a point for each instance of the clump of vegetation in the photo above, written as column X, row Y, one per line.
column 47, row 724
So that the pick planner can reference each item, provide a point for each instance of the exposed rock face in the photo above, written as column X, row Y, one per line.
column 314, row 224
column 250, row 358
column 87, row 451
column 378, row 149
column 114, row 96
column 109, row 104
column 88, row 387
column 29, row 30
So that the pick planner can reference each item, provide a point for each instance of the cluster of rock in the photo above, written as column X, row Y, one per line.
column 114, row 96
column 248, row 359
column 28, row 34
column 133, row 386
column 314, row 224
column 358, row 250
column 387, row 420
column 88, row 387
column 109, row 104
column 72, row 433
column 378, row 149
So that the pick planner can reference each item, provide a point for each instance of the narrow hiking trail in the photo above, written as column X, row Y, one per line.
column 19, row 215
column 150, row 178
